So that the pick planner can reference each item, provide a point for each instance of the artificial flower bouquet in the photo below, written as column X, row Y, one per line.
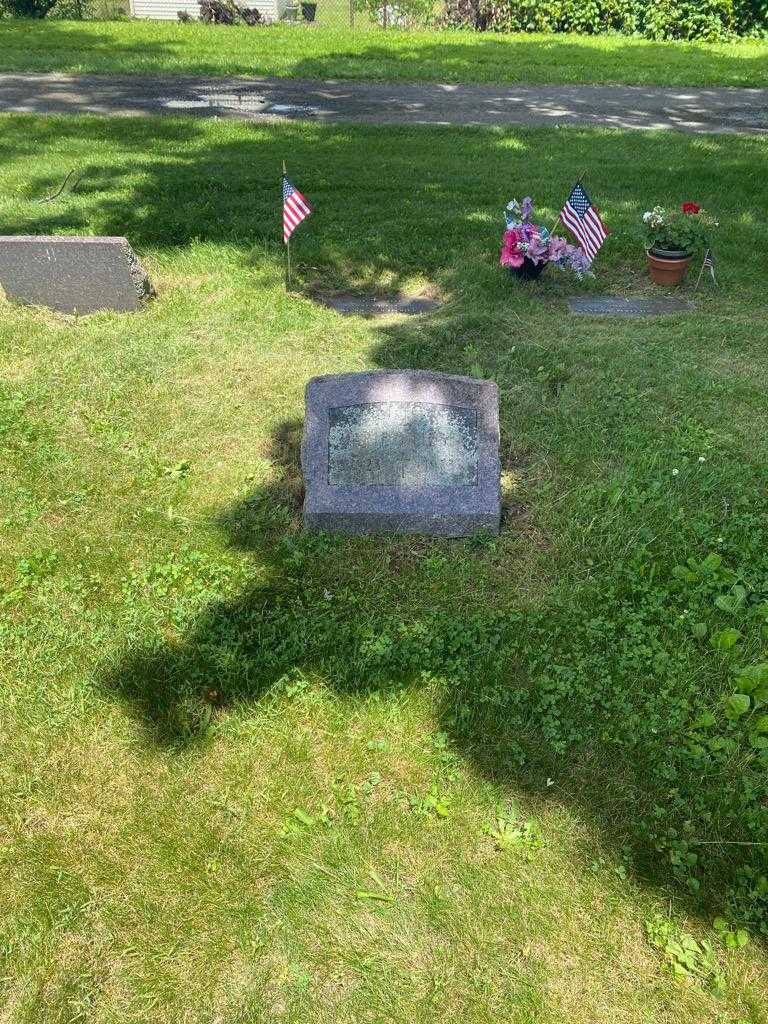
column 685, row 230
column 527, row 247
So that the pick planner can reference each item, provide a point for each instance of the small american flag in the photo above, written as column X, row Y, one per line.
column 582, row 218
column 295, row 208
column 709, row 263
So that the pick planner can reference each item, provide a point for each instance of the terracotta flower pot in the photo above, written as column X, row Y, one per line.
column 528, row 270
column 667, row 268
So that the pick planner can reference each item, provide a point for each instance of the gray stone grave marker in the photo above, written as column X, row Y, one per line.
column 401, row 451
column 369, row 305
column 613, row 305
column 72, row 274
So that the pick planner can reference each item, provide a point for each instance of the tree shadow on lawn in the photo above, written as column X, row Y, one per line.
column 376, row 55
column 169, row 184
column 591, row 687
column 164, row 183
column 447, row 61
column 71, row 45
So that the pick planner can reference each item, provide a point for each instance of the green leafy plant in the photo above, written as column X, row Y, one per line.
column 433, row 802
column 685, row 956
column 687, row 229
column 724, row 640
column 668, row 19
column 27, row 8
column 510, row 832
column 732, row 938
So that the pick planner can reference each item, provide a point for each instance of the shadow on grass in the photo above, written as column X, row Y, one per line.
column 538, row 697
column 167, row 182
column 445, row 57
column 586, row 697
column 596, row 688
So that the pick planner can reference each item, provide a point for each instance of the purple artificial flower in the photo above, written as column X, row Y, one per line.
column 558, row 248
column 527, row 208
column 579, row 261
column 537, row 250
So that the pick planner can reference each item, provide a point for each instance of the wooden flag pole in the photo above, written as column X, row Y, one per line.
column 287, row 241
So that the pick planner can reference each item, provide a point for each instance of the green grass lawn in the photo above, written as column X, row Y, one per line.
column 451, row 779
column 140, row 47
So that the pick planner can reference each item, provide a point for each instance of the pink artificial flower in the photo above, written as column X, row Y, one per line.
column 510, row 253
column 511, row 257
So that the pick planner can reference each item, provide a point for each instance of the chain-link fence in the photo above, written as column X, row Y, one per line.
column 363, row 13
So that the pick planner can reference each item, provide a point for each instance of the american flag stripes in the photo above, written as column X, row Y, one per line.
column 582, row 218
column 295, row 208
column 709, row 263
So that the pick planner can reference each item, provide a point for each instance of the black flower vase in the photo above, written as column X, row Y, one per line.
column 528, row 270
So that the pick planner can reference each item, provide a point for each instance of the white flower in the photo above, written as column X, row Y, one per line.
column 647, row 216
column 702, row 459
column 675, row 472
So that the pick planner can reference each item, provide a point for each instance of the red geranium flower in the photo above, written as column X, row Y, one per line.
column 691, row 208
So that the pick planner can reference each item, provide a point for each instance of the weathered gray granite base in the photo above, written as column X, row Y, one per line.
column 72, row 274
column 369, row 305
column 401, row 451
column 612, row 305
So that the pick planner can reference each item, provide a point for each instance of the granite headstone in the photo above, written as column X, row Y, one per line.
column 401, row 451
column 72, row 274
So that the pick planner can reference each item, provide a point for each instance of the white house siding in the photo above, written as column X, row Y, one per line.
column 167, row 10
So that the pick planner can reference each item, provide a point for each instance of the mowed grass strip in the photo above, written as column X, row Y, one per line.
column 253, row 775
column 143, row 47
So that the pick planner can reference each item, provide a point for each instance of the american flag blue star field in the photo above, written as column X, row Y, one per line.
column 581, row 217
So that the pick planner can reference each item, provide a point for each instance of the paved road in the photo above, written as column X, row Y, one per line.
column 688, row 110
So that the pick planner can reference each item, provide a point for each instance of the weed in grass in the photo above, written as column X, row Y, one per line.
column 510, row 832
column 733, row 938
column 686, row 956
column 434, row 802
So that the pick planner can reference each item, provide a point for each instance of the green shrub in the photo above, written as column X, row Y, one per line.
column 689, row 19
column 665, row 19
column 72, row 10
column 750, row 17
column 26, row 8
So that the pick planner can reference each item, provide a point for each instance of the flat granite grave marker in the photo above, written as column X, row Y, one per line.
column 73, row 274
column 369, row 305
column 613, row 305
column 401, row 451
